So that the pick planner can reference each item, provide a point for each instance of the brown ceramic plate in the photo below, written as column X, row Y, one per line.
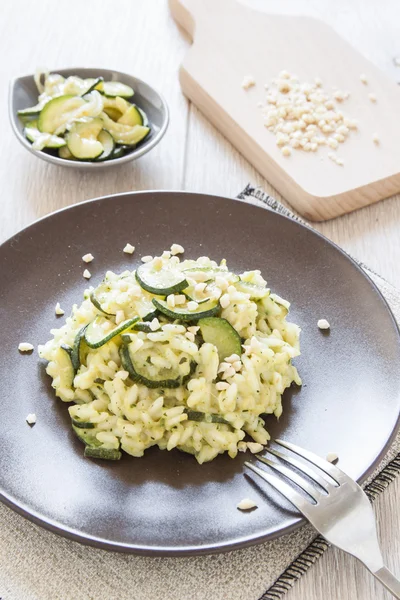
column 165, row 503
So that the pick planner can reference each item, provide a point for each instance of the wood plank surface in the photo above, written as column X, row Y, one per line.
column 142, row 38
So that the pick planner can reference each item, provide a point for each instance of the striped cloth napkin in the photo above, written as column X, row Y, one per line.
column 35, row 564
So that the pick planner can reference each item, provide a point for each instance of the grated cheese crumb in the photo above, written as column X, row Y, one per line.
column 177, row 249
column 87, row 258
column 25, row 347
column 248, row 82
column 129, row 249
column 246, row 504
column 87, row 274
column 146, row 259
column 31, row 418
column 323, row 324
column 58, row 309
column 332, row 457
column 171, row 301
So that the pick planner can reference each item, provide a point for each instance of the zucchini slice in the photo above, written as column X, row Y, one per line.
column 64, row 360
column 114, row 88
column 162, row 281
column 32, row 134
column 57, row 112
column 87, row 436
column 107, row 141
column 80, row 350
column 118, row 152
column 95, row 300
column 222, row 335
column 91, row 85
column 194, row 415
column 113, row 113
column 82, row 139
column 32, row 110
column 65, row 153
column 95, row 335
column 102, row 453
column 212, row 272
column 131, row 117
column 138, row 372
column 207, row 309
column 133, row 137
column 82, row 424
column 257, row 292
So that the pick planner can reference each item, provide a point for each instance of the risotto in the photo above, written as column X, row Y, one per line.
column 177, row 354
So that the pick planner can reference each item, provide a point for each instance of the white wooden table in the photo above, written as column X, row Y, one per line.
column 139, row 36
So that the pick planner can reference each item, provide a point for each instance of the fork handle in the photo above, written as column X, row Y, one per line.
column 390, row 582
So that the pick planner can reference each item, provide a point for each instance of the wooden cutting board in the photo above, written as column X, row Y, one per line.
column 230, row 41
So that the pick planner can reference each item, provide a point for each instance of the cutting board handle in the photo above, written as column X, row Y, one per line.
column 187, row 13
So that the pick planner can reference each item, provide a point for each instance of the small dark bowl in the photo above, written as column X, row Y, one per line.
column 23, row 93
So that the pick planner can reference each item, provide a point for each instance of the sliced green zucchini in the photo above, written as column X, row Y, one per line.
column 208, row 309
column 82, row 424
column 256, row 291
column 141, row 326
column 102, row 453
column 58, row 112
column 66, row 370
column 82, row 139
column 132, row 138
column 194, row 415
column 87, row 436
column 32, row 134
column 131, row 117
column 212, row 271
column 118, row 152
column 94, row 332
column 113, row 113
column 91, row 85
column 221, row 334
column 162, row 281
column 80, row 350
column 115, row 88
column 107, row 141
column 65, row 153
column 33, row 110
column 95, row 300
column 139, row 373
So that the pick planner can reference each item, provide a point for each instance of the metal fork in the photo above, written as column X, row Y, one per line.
column 337, row 506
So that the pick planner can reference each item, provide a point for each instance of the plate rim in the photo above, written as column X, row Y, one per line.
column 191, row 550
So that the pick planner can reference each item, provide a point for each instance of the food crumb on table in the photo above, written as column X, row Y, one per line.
column 129, row 249
column 58, row 310
column 332, row 457
column 177, row 249
column 363, row 79
column 246, row 504
column 375, row 139
column 372, row 97
column 87, row 258
column 248, row 82
column 87, row 274
column 25, row 347
column 323, row 324
column 31, row 419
